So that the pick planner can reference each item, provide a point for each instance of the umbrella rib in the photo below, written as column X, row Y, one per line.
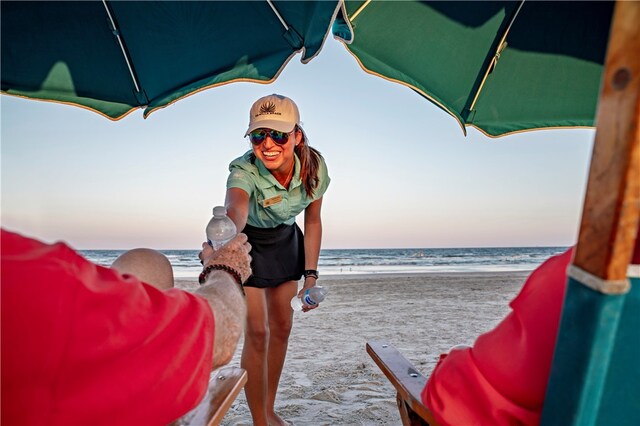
column 116, row 32
column 290, row 34
column 496, row 55
column 284, row 24
column 360, row 9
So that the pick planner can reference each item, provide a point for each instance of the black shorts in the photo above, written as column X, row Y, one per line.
column 277, row 255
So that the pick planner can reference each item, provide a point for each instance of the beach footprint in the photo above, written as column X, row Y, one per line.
column 327, row 395
column 301, row 379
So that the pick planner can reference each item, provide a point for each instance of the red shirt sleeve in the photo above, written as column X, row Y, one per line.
column 83, row 344
column 502, row 379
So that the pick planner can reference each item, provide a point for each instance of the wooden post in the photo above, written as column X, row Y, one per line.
column 595, row 338
column 612, row 203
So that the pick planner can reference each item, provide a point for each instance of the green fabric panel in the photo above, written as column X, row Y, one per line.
column 231, row 53
column 174, row 44
column 549, row 75
column 428, row 45
column 112, row 110
column 582, row 356
column 45, row 57
column 620, row 404
column 240, row 70
column 353, row 6
column 68, row 51
column 505, row 105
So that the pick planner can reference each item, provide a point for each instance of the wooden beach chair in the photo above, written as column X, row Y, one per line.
column 596, row 357
column 408, row 382
column 224, row 386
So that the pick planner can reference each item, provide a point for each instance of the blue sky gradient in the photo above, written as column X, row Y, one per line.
column 403, row 174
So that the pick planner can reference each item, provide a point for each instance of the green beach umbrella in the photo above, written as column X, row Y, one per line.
column 117, row 56
column 501, row 67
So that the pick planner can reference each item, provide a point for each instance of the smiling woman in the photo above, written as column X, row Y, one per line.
column 267, row 188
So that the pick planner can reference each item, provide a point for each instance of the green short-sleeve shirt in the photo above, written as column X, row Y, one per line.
column 271, row 204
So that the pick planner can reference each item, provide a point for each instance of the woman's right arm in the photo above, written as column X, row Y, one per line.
column 237, row 204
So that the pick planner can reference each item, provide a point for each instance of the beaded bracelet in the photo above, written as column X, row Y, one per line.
column 235, row 274
column 311, row 273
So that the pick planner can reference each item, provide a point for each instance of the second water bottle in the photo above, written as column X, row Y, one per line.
column 311, row 297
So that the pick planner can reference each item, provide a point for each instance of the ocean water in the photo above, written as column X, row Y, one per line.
column 379, row 261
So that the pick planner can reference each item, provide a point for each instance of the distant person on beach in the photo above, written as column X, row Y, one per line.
column 268, row 186
column 86, row 344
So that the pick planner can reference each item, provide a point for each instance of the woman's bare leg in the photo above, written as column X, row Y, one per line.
column 254, row 354
column 280, row 322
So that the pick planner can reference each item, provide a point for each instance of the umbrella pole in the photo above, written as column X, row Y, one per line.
column 595, row 341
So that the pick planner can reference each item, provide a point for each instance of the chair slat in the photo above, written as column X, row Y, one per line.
column 408, row 382
column 224, row 387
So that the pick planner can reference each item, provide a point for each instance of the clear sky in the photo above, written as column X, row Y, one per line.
column 403, row 174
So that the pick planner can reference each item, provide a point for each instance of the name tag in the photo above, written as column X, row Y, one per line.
column 271, row 201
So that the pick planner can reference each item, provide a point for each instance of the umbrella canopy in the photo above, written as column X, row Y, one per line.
column 117, row 56
column 501, row 66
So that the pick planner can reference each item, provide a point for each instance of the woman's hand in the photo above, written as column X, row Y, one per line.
column 234, row 254
column 308, row 283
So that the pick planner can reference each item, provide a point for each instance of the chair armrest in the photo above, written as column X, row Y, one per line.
column 224, row 386
column 408, row 382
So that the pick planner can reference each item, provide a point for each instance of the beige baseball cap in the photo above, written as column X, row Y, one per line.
column 275, row 112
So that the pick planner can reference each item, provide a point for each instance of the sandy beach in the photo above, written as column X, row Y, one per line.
column 329, row 379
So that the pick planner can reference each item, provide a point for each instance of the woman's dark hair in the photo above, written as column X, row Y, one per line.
column 309, row 164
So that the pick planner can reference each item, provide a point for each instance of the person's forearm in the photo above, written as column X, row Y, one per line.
column 237, row 204
column 229, row 310
column 312, row 242
column 238, row 216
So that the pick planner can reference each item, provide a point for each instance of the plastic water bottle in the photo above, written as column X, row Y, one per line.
column 220, row 229
column 311, row 297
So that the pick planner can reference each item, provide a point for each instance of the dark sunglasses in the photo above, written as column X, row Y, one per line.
column 259, row 135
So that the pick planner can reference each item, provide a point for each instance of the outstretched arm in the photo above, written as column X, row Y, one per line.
column 237, row 204
column 225, row 296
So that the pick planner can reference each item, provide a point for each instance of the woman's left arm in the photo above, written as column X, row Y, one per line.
column 312, row 239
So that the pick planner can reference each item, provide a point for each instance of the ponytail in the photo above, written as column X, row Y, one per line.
column 309, row 164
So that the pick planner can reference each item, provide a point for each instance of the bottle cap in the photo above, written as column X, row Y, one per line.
column 219, row 211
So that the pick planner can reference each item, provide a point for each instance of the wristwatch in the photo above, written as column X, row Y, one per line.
column 311, row 273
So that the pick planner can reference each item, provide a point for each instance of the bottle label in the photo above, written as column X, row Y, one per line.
column 307, row 299
column 216, row 244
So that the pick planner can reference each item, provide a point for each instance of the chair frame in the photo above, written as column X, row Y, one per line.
column 408, row 382
column 224, row 386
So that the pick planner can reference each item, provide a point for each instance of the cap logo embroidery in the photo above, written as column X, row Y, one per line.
column 268, row 108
